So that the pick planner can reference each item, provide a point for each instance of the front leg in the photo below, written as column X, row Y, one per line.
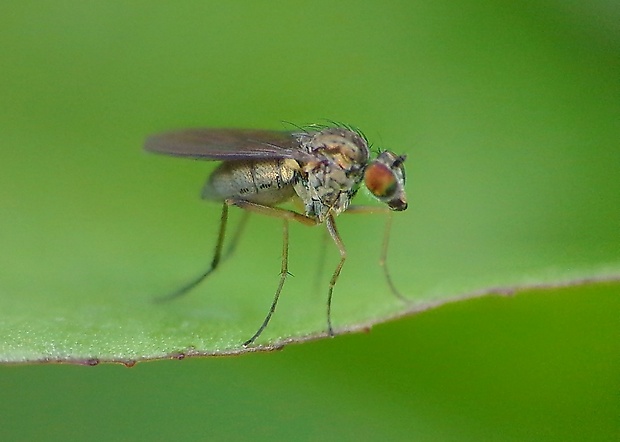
column 373, row 210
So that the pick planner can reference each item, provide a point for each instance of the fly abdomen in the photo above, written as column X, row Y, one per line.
column 266, row 182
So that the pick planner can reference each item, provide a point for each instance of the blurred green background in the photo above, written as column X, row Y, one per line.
column 509, row 115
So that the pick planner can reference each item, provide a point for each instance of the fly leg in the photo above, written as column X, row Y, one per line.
column 286, row 216
column 321, row 264
column 386, row 242
column 232, row 246
column 216, row 254
column 383, row 259
column 333, row 232
column 283, row 274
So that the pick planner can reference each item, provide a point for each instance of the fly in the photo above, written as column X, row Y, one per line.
column 320, row 167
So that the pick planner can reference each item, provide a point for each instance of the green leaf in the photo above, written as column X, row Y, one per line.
column 513, row 165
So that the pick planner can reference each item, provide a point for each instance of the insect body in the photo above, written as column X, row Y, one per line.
column 266, row 182
column 322, row 168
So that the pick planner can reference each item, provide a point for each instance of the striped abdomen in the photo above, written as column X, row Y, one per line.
column 267, row 182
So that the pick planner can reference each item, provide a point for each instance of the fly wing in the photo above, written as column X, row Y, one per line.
column 227, row 144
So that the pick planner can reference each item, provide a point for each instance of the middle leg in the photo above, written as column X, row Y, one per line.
column 333, row 232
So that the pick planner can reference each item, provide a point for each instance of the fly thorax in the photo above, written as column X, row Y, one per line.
column 328, row 184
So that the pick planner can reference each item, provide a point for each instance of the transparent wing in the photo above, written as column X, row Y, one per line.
column 227, row 144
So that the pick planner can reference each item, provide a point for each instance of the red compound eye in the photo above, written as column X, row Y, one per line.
column 380, row 180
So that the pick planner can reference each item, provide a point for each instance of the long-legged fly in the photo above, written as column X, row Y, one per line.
column 320, row 167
